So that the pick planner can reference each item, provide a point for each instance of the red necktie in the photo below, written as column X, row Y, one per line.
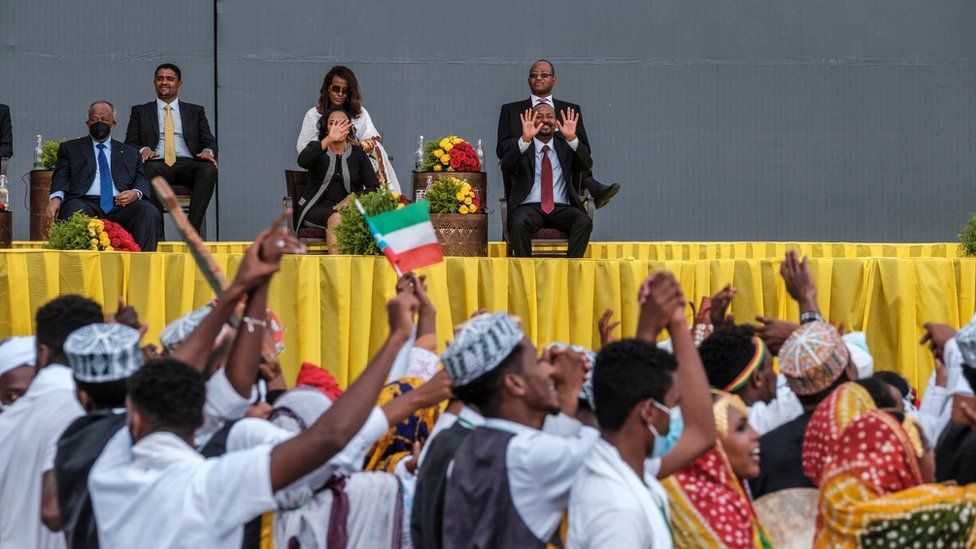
column 547, row 204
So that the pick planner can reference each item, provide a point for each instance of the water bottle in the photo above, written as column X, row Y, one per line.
column 481, row 156
column 38, row 153
column 419, row 155
column 4, row 194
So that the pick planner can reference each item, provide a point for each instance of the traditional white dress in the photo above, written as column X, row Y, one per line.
column 364, row 130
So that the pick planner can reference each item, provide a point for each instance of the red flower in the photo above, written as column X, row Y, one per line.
column 456, row 162
column 116, row 242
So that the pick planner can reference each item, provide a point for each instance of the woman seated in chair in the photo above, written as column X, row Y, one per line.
column 336, row 167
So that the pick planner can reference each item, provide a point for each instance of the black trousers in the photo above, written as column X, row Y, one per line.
column 526, row 219
column 199, row 175
column 140, row 218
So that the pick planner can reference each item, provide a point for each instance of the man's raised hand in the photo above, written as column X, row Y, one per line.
column 530, row 127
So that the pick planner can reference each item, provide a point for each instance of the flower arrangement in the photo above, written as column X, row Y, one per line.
column 450, row 154
column 352, row 234
column 83, row 232
column 49, row 153
column 451, row 195
column 967, row 238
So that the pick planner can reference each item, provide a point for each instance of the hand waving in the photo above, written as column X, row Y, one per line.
column 530, row 128
column 567, row 126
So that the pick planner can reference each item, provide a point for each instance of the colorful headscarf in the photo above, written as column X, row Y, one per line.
column 398, row 442
column 813, row 357
column 709, row 506
column 838, row 411
column 758, row 357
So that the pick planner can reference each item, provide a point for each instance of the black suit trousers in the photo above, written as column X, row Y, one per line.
column 199, row 175
column 140, row 218
column 526, row 219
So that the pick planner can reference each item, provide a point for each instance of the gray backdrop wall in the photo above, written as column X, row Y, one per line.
column 766, row 120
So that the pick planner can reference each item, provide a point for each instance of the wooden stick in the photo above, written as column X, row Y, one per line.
column 203, row 258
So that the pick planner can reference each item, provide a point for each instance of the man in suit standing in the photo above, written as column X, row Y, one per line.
column 175, row 142
column 6, row 139
column 546, row 169
column 542, row 79
column 103, row 178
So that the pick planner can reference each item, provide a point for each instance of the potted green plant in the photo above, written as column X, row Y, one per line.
column 967, row 238
column 40, row 189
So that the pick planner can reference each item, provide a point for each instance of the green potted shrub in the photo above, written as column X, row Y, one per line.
column 967, row 238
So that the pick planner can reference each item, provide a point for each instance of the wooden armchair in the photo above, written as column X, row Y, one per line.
column 295, row 183
column 546, row 242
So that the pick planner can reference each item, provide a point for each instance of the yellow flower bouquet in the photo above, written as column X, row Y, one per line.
column 451, row 195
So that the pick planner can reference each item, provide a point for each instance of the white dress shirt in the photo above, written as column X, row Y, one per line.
column 783, row 409
column 180, row 144
column 160, row 492
column 541, row 467
column 612, row 508
column 29, row 433
column 223, row 404
column 548, row 100
column 935, row 411
column 96, row 187
column 559, row 195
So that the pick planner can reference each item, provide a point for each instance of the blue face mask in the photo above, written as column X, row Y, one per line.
column 664, row 445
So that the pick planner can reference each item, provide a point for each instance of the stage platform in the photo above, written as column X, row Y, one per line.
column 333, row 306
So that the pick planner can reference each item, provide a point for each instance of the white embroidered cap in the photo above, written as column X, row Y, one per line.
column 100, row 353
column 177, row 331
column 15, row 352
column 480, row 347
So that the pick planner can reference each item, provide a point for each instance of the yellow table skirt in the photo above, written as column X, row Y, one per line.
column 333, row 306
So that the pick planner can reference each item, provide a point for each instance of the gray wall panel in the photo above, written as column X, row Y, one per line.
column 820, row 120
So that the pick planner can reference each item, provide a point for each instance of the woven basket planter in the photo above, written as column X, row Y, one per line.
column 462, row 234
column 6, row 229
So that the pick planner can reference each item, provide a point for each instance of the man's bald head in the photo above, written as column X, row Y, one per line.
column 544, row 109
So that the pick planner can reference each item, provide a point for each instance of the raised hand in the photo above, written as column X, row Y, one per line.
column 567, row 126
column 936, row 336
column 530, row 127
column 279, row 240
column 607, row 325
column 568, row 375
column 799, row 281
column 720, row 304
column 337, row 133
column 774, row 332
column 662, row 303
column 402, row 308
column 127, row 316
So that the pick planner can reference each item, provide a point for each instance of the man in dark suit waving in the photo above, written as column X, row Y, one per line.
column 546, row 169
column 542, row 79
column 103, row 177
column 175, row 142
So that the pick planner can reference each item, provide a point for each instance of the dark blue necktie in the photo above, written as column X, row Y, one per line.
column 104, row 180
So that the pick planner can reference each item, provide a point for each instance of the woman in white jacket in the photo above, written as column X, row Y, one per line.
column 340, row 88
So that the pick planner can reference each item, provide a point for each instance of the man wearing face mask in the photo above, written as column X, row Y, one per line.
column 103, row 178
column 616, row 499
column 509, row 482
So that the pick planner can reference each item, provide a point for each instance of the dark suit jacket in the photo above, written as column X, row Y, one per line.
column 520, row 169
column 143, row 130
column 362, row 178
column 6, row 134
column 75, row 168
column 510, row 125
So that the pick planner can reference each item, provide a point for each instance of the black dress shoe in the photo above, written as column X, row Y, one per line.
column 608, row 193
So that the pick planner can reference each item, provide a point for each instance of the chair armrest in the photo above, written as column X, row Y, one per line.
column 503, row 212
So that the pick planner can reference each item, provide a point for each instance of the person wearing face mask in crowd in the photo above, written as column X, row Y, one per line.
column 616, row 500
column 103, row 178
column 710, row 506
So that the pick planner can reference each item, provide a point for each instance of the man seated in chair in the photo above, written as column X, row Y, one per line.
column 103, row 178
column 545, row 169
column 175, row 142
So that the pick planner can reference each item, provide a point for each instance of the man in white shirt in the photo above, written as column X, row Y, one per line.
column 151, row 470
column 16, row 368
column 616, row 500
column 545, row 171
column 30, row 428
column 509, row 482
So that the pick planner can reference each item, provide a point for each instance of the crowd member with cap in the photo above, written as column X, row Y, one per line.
column 30, row 429
column 710, row 506
column 509, row 482
column 151, row 470
column 102, row 357
column 815, row 361
column 637, row 387
column 16, row 368
column 950, row 350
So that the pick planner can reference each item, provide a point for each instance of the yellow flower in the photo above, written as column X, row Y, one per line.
column 109, row 249
column 444, row 142
column 460, row 196
column 437, row 167
column 467, row 201
column 466, row 186
column 448, row 147
column 396, row 196
column 439, row 153
column 400, row 206
column 455, row 140
column 94, row 243
column 450, row 169
column 463, row 209
column 91, row 231
column 445, row 160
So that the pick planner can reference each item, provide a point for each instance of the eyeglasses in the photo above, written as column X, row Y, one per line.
column 339, row 90
column 534, row 75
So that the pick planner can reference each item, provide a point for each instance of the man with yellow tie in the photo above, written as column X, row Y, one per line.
column 175, row 142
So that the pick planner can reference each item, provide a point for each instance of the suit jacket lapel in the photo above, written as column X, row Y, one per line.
column 530, row 152
column 185, row 118
column 90, row 161
column 563, row 152
column 153, row 109
column 116, row 163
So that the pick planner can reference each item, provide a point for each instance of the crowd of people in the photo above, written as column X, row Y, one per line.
column 653, row 441
column 542, row 148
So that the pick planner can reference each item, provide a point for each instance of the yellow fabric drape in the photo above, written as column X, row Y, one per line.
column 333, row 306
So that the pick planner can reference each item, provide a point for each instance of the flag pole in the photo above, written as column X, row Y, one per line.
column 362, row 211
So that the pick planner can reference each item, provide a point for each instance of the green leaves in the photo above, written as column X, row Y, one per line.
column 71, row 233
column 967, row 238
column 353, row 234
column 49, row 153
